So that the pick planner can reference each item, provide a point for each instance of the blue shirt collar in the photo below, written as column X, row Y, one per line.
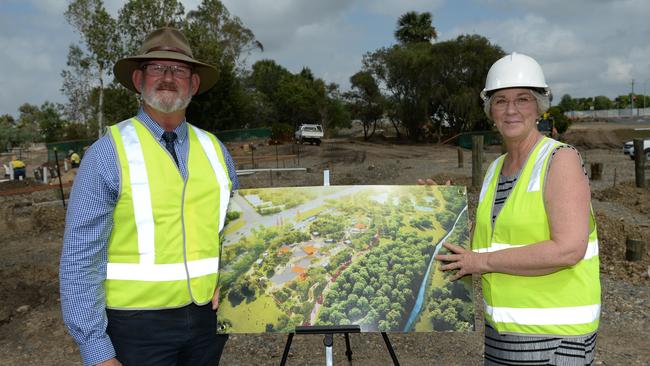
column 157, row 131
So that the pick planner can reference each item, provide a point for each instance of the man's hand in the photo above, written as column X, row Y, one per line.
column 215, row 299
column 112, row 362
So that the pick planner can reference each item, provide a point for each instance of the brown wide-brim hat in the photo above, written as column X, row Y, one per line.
column 165, row 44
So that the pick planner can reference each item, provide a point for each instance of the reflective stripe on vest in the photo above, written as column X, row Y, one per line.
column 525, row 316
column 565, row 302
column 220, row 171
column 135, row 263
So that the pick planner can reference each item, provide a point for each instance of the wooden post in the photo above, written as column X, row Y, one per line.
column 639, row 163
column 460, row 157
column 58, row 173
column 477, row 160
column 634, row 249
column 614, row 183
column 252, row 156
column 596, row 171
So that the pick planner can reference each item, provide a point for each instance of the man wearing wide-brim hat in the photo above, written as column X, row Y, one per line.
column 140, row 259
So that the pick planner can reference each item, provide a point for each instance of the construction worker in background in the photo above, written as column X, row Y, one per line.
column 546, row 125
column 19, row 168
column 75, row 159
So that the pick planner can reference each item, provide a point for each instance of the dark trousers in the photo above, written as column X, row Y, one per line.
column 19, row 172
column 170, row 337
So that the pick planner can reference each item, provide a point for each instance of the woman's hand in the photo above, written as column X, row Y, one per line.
column 463, row 260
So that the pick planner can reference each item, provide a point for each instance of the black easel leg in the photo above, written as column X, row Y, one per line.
column 348, row 350
column 390, row 348
column 287, row 346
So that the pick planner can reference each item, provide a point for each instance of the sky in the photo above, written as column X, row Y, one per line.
column 585, row 47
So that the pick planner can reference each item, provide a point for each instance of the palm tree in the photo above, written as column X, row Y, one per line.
column 415, row 27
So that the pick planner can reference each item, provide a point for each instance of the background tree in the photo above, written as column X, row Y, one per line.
column 601, row 102
column 459, row 70
column 567, row 103
column 415, row 27
column 405, row 71
column 137, row 18
column 365, row 101
column 77, row 86
column 8, row 132
column 222, row 40
column 98, row 32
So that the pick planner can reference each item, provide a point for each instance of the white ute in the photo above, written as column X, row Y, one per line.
column 309, row 133
column 628, row 149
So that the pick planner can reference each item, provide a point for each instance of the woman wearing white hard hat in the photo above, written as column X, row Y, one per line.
column 534, row 242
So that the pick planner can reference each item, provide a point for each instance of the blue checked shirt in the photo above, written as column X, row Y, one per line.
column 89, row 221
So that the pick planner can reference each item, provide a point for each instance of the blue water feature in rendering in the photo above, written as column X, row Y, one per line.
column 420, row 299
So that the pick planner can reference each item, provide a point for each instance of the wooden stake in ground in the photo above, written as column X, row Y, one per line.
column 634, row 249
column 477, row 160
column 596, row 171
column 460, row 157
column 639, row 163
column 58, row 173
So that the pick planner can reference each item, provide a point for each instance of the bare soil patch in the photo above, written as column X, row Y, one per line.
column 31, row 231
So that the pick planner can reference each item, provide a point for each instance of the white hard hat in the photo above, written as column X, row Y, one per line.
column 515, row 70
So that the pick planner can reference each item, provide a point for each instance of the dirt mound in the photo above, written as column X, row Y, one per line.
column 17, row 184
column 612, row 234
column 592, row 139
column 628, row 195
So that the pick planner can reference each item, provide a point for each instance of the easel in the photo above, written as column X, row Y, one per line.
column 328, row 341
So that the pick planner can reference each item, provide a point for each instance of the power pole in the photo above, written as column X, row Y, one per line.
column 632, row 100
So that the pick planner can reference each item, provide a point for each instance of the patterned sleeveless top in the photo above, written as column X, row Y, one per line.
column 506, row 183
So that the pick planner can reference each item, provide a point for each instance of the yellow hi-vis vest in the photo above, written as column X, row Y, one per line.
column 163, row 251
column 564, row 303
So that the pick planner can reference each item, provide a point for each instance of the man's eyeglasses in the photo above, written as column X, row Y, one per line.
column 179, row 72
column 521, row 102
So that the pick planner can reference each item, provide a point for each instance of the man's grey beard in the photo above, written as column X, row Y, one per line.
column 159, row 104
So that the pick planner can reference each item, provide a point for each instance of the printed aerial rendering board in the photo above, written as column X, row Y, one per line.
column 341, row 255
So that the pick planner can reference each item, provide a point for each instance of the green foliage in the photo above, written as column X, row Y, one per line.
column 241, row 290
column 137, row 18
column 422, row 222
column 435, row 85
column 450, row 308
column 8, row 132
column 365, row 101
column 459, row 70
column 281, row 132
column 601, row 102
column 231, row 216
column 223, row 107
column 329, row 226
column 368, row 278
column 405, row 70
column 567, row 103
column 415, row 27
column 562, row 122
column 100, row 38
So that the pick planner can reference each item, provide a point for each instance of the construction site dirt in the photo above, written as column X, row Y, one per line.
column 32, row 220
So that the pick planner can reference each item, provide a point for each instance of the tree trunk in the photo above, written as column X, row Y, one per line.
column 100, row 112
